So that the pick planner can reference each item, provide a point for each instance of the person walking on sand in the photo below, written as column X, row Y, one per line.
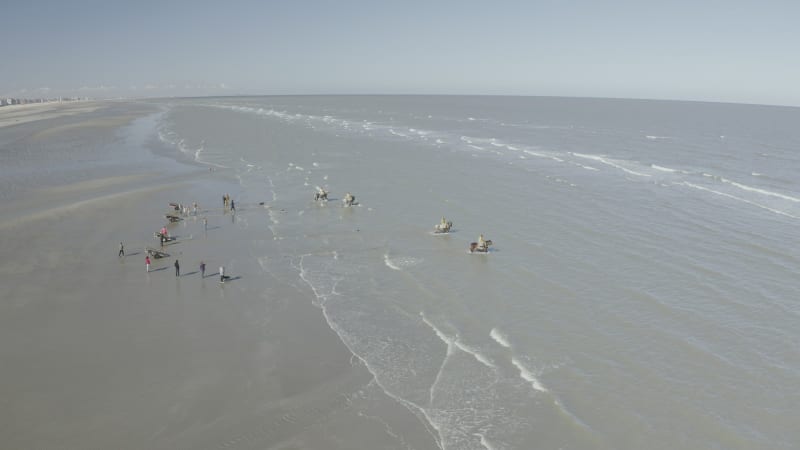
column 221, row 274
column 147, row 262
column 177, row 268
column 233, row 206
column 202, row 269
column 121, row 249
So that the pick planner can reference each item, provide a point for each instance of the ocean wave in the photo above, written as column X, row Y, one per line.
column 745, row 187
column 199, row 154
column 733, row 197
column 389, row 263
column 611, row 162
column 500, row 337
column 527, row 375
column 662, row 168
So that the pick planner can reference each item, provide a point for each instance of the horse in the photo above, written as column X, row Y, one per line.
column 473, row 247
column 443, row 228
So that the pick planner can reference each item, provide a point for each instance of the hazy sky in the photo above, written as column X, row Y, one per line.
column 732, row 50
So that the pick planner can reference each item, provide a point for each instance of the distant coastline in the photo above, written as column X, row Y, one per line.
column 29, row 112
column 11, row 101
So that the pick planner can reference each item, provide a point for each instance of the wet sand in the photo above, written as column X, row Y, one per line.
column 99, row 354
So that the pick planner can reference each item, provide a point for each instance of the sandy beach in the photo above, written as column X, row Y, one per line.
column 20, row 114
column 99, row 354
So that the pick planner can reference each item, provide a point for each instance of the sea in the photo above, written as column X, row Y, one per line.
column 641, row 291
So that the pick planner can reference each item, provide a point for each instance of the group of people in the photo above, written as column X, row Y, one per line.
column 177, row 265
column 228, row 202
column 184, row 209
column 163, row 235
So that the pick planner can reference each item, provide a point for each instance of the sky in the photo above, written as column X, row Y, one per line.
column 708, row 50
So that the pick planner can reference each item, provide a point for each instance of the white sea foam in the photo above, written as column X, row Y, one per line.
column 481, row 358
column 389, row 262
column 527, row 375
column 400, row 262
column 322, row 297
column 733, row 197
column 662, row 168
column 396, row 133
column 745, row 187
column 445, row 338
column 499, row 337
column 609, row 162
column 485, row 443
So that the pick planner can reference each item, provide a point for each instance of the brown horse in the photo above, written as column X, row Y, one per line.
column 473, row 247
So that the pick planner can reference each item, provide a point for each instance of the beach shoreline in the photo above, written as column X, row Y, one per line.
column 101, row 354
column 31, row 112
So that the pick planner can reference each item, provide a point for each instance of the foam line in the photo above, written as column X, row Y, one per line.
column 527, row 375
column 478, row 356
column 389, row 262
column 776, row 211
column 760, row 191
column 611, row 163
column 429, row 423
column 500, row 337
column 450, row 347
column 484, row 442
column 663, row 169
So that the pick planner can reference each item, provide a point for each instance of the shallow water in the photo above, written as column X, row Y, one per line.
column 641, row 291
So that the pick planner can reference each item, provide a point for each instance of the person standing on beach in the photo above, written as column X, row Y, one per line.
column 233, row 206
column 221, row 274
column 205, row 223
column 147, row 262
column 202, row 269
column 121, row 250
column 177, row 268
